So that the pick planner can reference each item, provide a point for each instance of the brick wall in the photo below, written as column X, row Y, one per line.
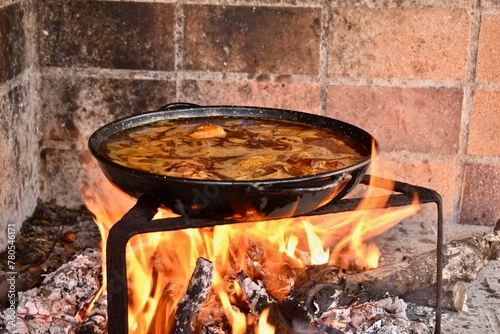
column 422, row 76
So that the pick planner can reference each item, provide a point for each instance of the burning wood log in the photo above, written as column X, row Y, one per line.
column 388, row 312
column 255, row 293
column 196, row 294
column 259, row 300
column 463, row 260
column 316, row 290
column 320, row 288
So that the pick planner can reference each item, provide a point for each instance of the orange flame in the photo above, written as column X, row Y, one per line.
column 264, row 327
column 96, row 196
column 349, row 231
column 159, row 265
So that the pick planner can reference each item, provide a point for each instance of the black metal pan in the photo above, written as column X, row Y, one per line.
column 237, row 200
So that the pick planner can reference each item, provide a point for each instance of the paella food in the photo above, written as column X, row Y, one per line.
column 233, row 149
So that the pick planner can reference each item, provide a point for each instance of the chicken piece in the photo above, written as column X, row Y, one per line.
column 208, row 131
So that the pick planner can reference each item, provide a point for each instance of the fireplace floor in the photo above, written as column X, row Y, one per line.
column 54, row 234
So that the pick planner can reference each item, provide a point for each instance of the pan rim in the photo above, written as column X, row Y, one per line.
column 99, row 135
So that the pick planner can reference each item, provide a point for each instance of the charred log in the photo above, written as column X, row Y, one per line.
column 320, row 288
column 196, row 294
column 463, row 260
column 316, row 290
column 259, row 300
column 255, row 293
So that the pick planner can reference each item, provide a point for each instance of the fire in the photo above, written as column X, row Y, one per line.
column 264, row 327
column 160, row 265
column 96, row 196
column 350, row 250
column 235, row 317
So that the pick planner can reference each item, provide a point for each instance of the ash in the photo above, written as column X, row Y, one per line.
column 389, row 315
column 64, row 295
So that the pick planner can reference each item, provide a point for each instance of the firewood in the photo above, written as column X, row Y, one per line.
column 454, row 297
column 198, row 289
column 320, row 288
column 259, row 300
column 316, row 290
column 212, row 317
column 255, row 293
column 463, row 260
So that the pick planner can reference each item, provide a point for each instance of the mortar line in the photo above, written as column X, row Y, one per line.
column 490, row 86
column 468, row 97
column 179, row 49
column 323, row 57
column 63, row 72
column 9, row 85
column 316, row 3
column 34, row 78
column 247, row 77
column 243, row 3
column 396, row 82
column 404, row 156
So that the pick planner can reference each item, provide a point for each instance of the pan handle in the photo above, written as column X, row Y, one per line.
column 177, row 106
column 273, row 189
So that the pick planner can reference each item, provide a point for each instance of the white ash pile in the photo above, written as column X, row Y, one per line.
column 385, row 316
column 63, row 298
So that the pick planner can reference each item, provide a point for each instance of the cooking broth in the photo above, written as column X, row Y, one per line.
column 240, row 149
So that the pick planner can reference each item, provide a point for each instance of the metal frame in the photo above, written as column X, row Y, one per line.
column 139, row 220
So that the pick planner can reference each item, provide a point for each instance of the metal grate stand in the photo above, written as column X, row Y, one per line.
column 139, row 220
